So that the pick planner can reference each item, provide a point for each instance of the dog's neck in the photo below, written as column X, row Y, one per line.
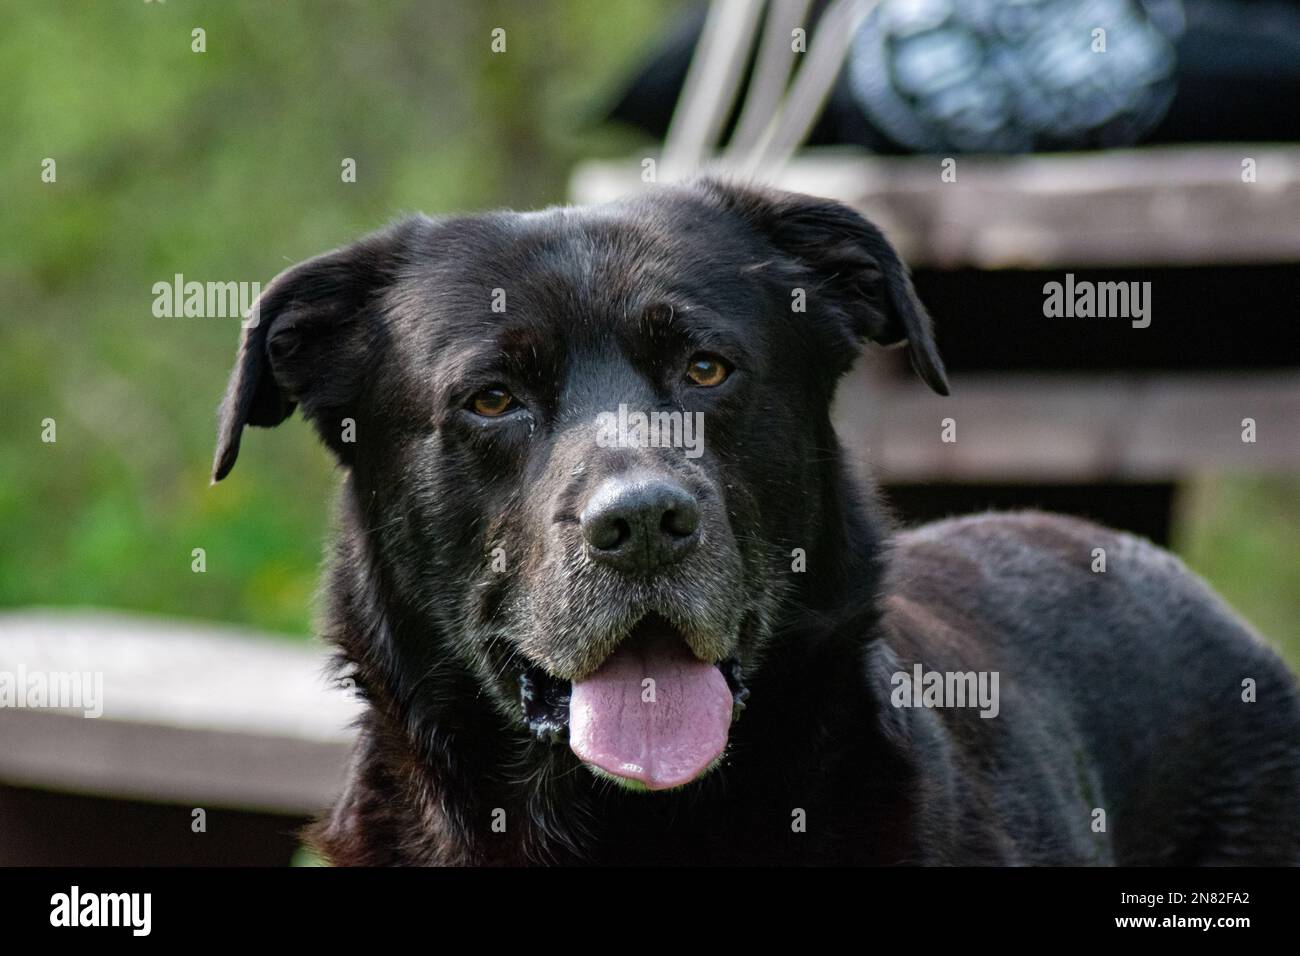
column 478, row 788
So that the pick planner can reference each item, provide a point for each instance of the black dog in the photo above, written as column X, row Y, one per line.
column 555, row 586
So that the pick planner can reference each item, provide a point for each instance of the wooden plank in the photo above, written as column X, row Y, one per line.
column 198, row 714
column 1184, row 205
column 1071, row 428
column 158, row 763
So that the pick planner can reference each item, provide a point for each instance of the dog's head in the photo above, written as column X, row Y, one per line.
column 585, row 444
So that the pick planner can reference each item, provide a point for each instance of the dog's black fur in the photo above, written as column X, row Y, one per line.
column 1121, row 691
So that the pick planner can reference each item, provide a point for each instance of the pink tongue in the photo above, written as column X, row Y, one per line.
column 664, row 740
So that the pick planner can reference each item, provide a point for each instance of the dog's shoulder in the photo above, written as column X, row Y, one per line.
column 1038, row 557
column 1057, row 593
column 1122, row 678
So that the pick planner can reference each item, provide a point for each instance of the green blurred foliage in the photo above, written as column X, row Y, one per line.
column 1240, row 534
column 225, row 165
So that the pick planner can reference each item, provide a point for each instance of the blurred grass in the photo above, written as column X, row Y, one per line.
column 1242, row 534
column 225, row 166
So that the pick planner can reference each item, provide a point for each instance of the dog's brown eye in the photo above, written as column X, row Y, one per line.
column 491, row 402
column 707, row 371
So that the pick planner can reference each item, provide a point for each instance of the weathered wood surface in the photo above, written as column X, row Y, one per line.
column 1072, row 428
column 1183, row 205
column 195, row 713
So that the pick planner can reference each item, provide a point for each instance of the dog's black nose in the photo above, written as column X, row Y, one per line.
column 641, row 523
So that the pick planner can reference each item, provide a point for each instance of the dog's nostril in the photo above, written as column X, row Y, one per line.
column 618, row 532
column 605, row 531
column 681, row 522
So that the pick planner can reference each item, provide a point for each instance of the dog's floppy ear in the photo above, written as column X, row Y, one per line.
column 306, row 341
column 852, row 260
